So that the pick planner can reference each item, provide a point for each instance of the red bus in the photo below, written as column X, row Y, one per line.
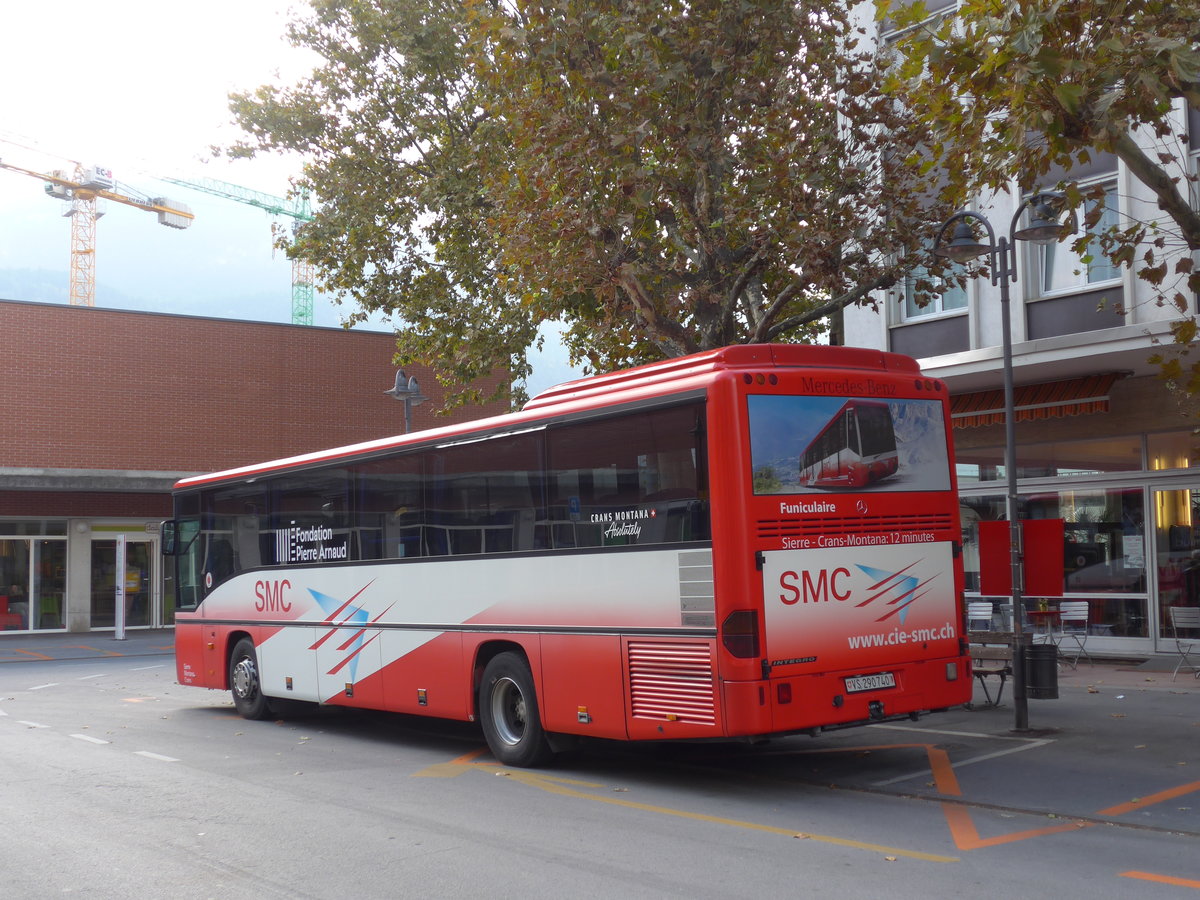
column 631, row 556
column 858, row 446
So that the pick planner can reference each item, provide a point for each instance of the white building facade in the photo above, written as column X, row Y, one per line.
column 1102, row 440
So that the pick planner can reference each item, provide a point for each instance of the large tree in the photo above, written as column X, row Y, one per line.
column 659, row 177
column 1012, row 90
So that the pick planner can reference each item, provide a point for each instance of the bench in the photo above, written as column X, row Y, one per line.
column 991, row 657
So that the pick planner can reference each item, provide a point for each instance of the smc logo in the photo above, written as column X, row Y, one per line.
column 828, row 584
column 270, row 596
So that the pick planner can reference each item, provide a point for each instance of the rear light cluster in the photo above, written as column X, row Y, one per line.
column 760, row 378
column 739, row 633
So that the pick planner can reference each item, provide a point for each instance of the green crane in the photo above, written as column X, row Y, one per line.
column 295, row 207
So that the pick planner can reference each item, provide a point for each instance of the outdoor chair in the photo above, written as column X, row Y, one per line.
column 1185, row 628
column 979, row 615
column 1073, row 629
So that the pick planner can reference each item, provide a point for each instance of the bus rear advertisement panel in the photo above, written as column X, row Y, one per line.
column 858, row 609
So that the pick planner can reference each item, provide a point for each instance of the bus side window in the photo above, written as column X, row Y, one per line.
column 633, row 479
column 220, row 560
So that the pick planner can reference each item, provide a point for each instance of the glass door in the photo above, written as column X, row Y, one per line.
column 1177, row 542
column 140, row 579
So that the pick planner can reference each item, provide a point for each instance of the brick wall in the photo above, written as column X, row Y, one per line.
column 89, row 388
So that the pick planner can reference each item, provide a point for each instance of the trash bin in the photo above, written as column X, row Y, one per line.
column 1041, row 672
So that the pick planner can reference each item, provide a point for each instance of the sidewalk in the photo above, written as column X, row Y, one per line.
column 87, row 645
column 1149, row 675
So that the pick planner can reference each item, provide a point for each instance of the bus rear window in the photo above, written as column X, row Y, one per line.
column 804, row 445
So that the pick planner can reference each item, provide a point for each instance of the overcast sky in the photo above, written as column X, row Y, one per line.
column 141, row 87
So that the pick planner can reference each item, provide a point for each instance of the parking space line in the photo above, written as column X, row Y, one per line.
column 1163, row 879
column 1142, row 802
column 158, row 756
column 568, row 788
column 90, row 739
column 1032, row 744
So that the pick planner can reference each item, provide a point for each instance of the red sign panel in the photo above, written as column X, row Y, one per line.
column 1043, row 558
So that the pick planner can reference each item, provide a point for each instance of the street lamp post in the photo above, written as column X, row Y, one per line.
column 408, row 391
column 1043, row 228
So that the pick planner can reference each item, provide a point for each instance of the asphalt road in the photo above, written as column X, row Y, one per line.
column 119, row 783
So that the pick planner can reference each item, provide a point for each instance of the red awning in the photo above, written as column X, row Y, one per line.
column 1052, row 400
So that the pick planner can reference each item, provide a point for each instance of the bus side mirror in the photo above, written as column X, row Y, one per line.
column 170, row 537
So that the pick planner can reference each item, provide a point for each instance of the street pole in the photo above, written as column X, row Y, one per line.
column 1020, row 697
column 1042, row 228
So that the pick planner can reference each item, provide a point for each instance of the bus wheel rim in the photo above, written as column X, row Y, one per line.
column 245, row 679
column 508, row 711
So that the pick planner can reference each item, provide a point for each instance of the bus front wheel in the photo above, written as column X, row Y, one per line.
column 244, row 682
column 509, row 714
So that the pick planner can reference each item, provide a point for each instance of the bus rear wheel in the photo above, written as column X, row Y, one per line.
column 509, row 714
column 244, row 682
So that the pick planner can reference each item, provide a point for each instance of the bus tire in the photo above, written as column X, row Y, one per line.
column 245, row 683
column 508, row 712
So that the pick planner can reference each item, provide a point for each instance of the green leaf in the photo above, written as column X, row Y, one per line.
column 1070, row 96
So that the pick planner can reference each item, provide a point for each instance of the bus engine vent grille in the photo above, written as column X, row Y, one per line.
column 884, row 525
column 672, row 682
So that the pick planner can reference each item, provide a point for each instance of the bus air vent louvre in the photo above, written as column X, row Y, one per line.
column 672, row 681
column 768, row 528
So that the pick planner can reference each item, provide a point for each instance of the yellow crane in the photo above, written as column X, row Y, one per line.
column 82, row 189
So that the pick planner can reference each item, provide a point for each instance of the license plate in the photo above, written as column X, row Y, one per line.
column 874, row 682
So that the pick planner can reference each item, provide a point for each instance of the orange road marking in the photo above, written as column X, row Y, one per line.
column 93, row 650
column 1163, row 879
column 455, row 767
column 1143, row 802
column 33, row 654
column 966, row 835
column 559, row 786
column 958, row 816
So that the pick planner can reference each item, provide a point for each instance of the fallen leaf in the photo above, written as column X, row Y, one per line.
column 890, row 858
column 1116, row 715
column 800, row 836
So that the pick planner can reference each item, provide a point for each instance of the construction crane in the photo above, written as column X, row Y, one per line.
column 297, row 208
column 82, row 189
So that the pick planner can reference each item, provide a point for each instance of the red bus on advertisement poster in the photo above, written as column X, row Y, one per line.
column 635, row 556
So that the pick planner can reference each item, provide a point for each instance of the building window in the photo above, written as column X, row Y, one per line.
column 952, row 296
column 1064, row 270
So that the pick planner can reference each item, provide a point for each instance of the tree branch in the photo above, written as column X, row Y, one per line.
column 1155, row 177
column 880, row 282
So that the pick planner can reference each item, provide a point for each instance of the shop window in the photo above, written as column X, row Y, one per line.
column 1177, row 548
column 1173, row 450
column 32, row 583
column 1056, row 459
column 1104, row 557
